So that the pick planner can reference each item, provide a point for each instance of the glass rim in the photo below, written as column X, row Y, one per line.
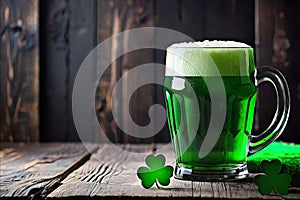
column 170, row 47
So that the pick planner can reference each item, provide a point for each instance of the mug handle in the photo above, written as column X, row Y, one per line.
column 274, row 76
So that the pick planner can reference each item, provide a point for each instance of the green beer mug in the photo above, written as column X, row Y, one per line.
column 210, row 93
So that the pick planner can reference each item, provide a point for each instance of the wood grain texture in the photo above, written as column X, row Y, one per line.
column 292, row 19
column 57, row 170
column 19, row 71
column 111, row 173
column 115, row 17
column 35, row 170
column 55, row 50
column 82, row 39
column 244, row 189
column 277, row 45
column 198, row 19
column 67, row 36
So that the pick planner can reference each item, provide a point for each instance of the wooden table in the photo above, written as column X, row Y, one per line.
column 75, row 171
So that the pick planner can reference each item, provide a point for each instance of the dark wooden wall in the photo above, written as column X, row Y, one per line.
column 204, row 19
column 278, row 45
column 19, row 70
column 70, row 29
column 67, row 35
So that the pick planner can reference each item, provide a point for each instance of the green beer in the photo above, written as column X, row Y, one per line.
column 189, row 116
column 230, row 147
column 210, row 93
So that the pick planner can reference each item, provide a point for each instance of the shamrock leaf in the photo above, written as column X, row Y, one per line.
column 272, row 179
column 283, row 181
column 264, row 184
column 146, row 176
column 271, row 167
column 156, row 172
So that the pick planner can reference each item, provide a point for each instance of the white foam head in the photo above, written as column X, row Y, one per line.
column 212, row 44
column 208, row 58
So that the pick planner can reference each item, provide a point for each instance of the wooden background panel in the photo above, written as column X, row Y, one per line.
column 292, row 19
column 230, row 20
column 198, row 19
column 54, row 51
column 115, row 17
column 67, row 36
column 82, row 39
column 68, row 27
column 19, row 71
column 278, row 45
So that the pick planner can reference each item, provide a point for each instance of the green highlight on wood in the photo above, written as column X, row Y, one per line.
column 287, row 153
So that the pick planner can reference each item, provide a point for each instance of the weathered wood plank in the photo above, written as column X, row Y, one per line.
column 36, row 170
column 82, row 39
column 244, row 189
column 126, row 183
column 230, row 20
column 278, row 45
column 112, row 173
column 54, row 71
column 171, row 16
column 292, row 19
column 67, row 36
column 264, row 34
column 115, row 17
column 19, row 71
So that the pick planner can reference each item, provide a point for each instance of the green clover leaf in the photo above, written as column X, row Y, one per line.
column 156, row 171
column 282, row 183
column 271, row 167
column 272, row 179
column 264, row 184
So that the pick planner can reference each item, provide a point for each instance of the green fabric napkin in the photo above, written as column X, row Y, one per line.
column 287, row 153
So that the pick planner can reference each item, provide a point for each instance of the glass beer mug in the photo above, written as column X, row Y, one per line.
column 210, row 92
